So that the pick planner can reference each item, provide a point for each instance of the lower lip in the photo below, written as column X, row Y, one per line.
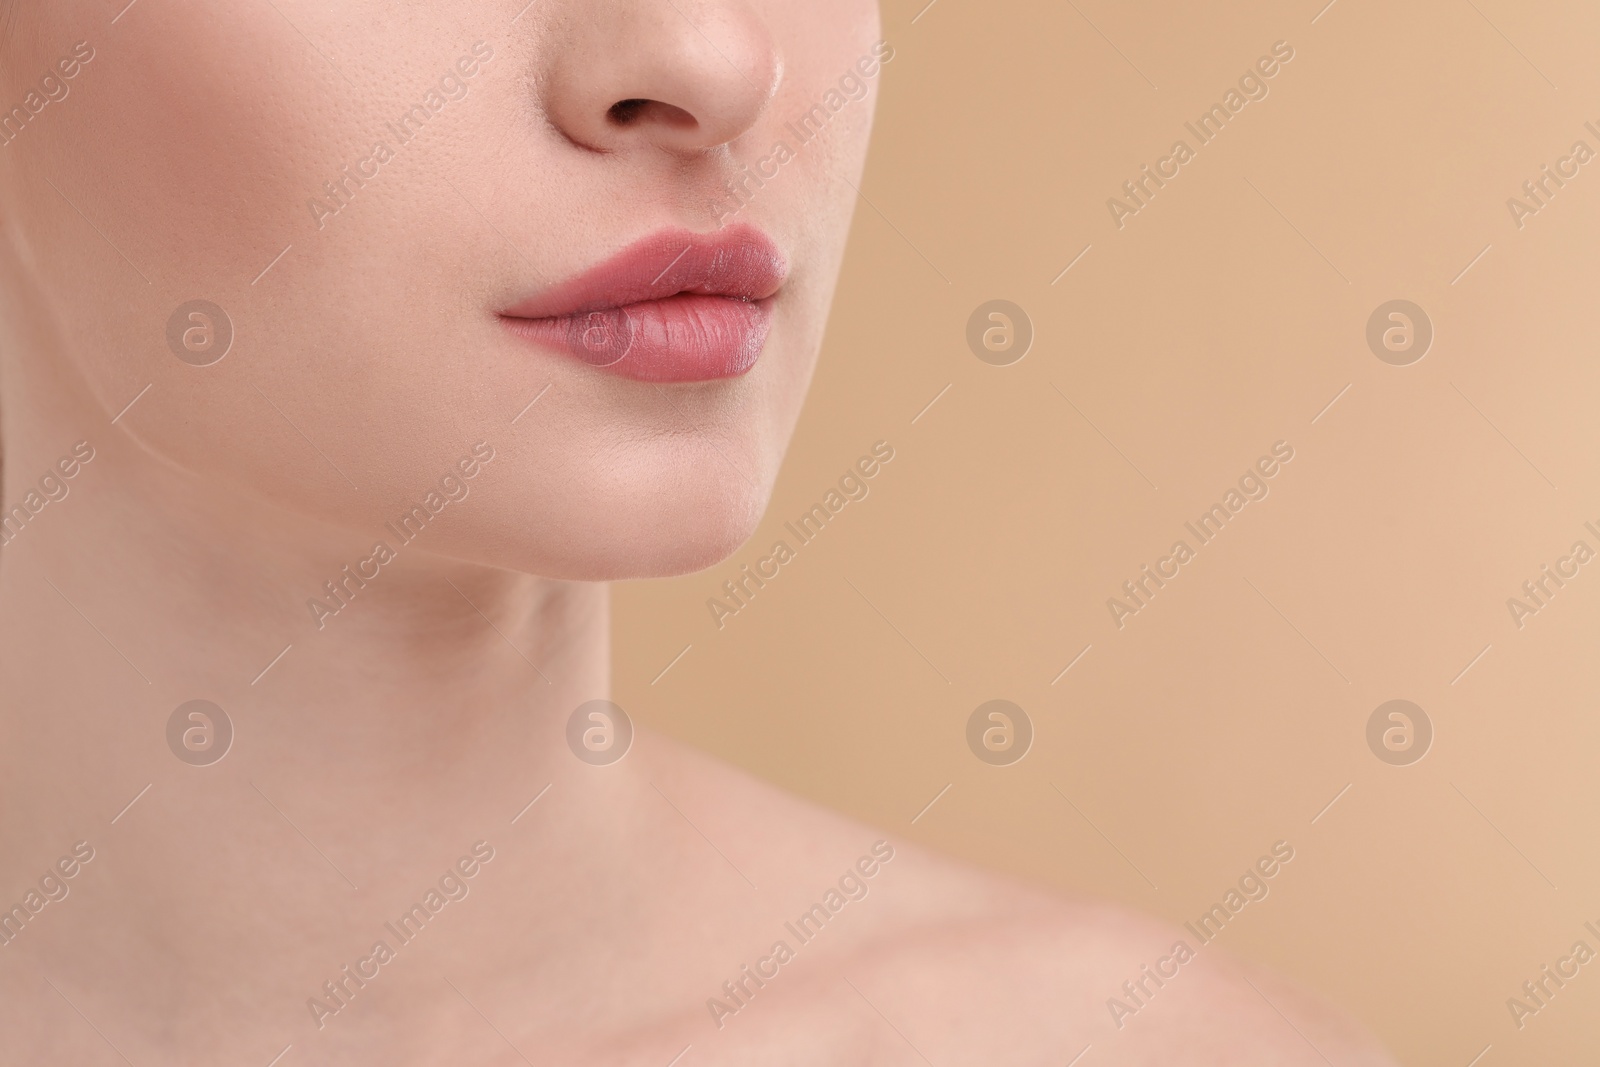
column 684, row 338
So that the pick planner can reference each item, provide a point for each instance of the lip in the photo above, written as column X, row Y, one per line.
column 676, row 306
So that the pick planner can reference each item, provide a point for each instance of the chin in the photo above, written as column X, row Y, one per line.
column 658, row 530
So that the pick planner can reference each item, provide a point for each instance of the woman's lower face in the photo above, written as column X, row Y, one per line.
column 347, row 349
column 393, row 226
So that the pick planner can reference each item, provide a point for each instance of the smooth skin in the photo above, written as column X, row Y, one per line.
column 374, row 748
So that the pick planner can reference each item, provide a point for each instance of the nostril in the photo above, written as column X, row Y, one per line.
column 635, row 110
column 624, row 112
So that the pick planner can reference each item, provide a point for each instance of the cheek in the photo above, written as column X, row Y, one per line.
column 217, row 152
column 213, row 147
column 363, row 357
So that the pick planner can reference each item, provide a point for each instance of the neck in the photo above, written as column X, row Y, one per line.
column 369, row 753
column 439, row 689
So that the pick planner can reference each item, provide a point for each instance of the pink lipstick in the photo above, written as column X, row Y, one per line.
column 676, row 306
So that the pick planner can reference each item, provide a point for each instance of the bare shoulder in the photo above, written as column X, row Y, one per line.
column 995, row 971
column 922, row 959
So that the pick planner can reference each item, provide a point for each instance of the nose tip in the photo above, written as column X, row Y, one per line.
column 669, row 74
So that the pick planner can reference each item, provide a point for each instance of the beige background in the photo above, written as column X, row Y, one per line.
column 1222, row 318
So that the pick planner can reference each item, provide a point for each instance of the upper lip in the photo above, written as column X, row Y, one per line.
column 739, row 262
